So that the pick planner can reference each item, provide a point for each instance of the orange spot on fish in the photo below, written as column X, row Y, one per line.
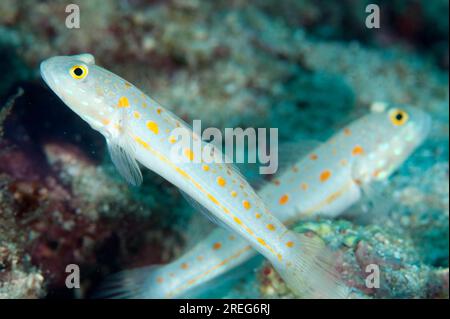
column 276, row 182
column 152, row 126
column 304, row 186
column 347, row 131
column 237, row 221
column 313, row 157
column 325, row 175
column 283, row 199
column 127, row 85
column 184, row 266
column 106, row 121
column 123, row 102
column 221, row 181
column 233, row 193
column 159, row 110
column 261, row 241
column 217, row 246
column 246, row 204
column 205, row 168
column 189, row 154
column 376, row 173
column 270, row 227
column 232, row 237
column 290, row 244
column 141, row 142
column 136, row 115
column 357, row 150
column 160, row 280
column 258, row 215
column 213, row 199
column 172, row 139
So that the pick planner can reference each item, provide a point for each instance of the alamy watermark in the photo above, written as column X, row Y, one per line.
column 73, row 17
column 373, row 279
column 373, row 19
column 211, row 146
column 73, row 278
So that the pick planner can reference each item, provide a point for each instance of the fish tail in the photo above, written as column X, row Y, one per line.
column 309, row 270
column 138, row 283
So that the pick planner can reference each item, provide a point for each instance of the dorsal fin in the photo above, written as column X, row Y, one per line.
column 85, row 57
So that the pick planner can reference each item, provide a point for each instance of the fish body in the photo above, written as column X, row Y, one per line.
column 326, row 181
column 139, row 130
column 331, row 177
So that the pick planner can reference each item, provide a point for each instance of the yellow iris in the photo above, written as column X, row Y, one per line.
column 398, row 117
column 78, row 72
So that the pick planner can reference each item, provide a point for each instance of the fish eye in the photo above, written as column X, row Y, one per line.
column 78, row 72
column 398, row 117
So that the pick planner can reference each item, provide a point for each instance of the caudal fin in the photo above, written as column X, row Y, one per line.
column 311, row 272
column 139, row 283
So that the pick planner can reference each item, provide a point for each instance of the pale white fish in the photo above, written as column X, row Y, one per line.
column 139, row 130
column 326, row 181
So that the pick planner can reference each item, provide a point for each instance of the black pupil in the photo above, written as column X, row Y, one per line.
column 399, row 116
column 78, row 71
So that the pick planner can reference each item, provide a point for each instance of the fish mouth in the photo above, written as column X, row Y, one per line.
column 45, row 73
column 46, row 69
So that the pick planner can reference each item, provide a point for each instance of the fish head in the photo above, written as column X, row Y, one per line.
column 80, row 84
column 390, row 135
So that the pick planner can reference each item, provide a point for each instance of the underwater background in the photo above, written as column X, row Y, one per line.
column 306, row 67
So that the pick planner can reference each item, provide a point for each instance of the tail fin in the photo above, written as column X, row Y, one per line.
column 139, row 283
column 311, row 272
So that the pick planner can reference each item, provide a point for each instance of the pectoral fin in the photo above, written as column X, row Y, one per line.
column 122, row 150
column 122, row 155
